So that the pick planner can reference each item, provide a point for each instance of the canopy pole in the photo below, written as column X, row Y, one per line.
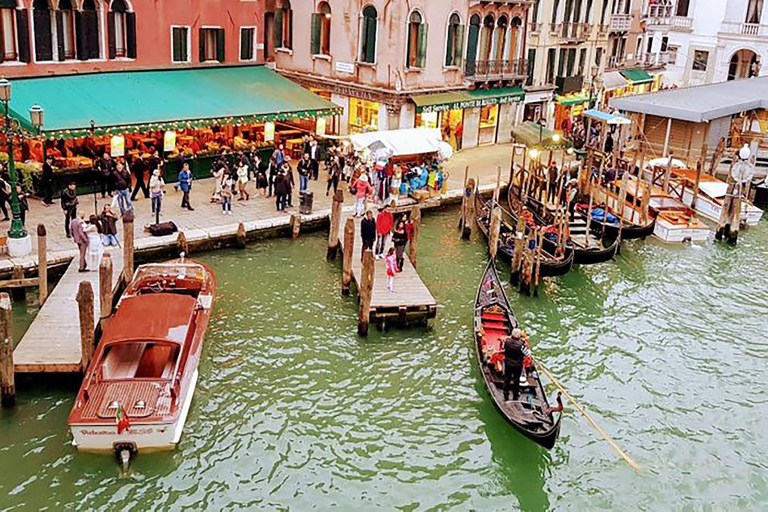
column 666, row 137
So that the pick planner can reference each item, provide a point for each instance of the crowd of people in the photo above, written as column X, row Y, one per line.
column 376, row 234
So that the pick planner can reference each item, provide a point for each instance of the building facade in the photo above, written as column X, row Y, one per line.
column 49, row 37
column 708, row 41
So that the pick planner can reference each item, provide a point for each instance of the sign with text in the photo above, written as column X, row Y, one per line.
column 169, row 140
column 345, row 67
column 117, row 146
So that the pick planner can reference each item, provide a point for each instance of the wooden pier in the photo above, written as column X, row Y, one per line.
column 53, row 341
column 410, row 302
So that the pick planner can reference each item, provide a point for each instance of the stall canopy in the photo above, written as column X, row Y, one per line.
column 445, row 101
column 411, row 141
column 534, row 135
column 132, row 101
column 637, row 76
column 614, row 80
column 606, row 117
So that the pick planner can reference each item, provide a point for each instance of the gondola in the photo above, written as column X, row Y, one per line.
column 494, row 320
column 610, row 230
column 550, row 265
column 587, row 249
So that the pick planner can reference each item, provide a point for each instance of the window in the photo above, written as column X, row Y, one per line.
column 582, row 61
column 649, row 48
column 598, row 56
column 700, row 58
column 417, row 41
column 180, row 44
column 500, row 38
column 555, row 7
column 122, row 31
column 363, row 115
column 588, row 11
column 284, row 26
column 368, row 25
column 472, row 44
column 535, row 12
column 682, row 8
column 211, row 44
column 664, row 43
column 754, row 10
column 65, row 24
column 8, row 29
column 89, row 41
column 247, row 43
column 531, row 65
column 455, row 43
column 41, row 15
column 551, row 60
column 321, row 30
column 602, row 14
column 561, row 62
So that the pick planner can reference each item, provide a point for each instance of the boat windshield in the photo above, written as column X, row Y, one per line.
column 139, row 360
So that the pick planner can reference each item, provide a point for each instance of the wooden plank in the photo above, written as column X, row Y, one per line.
column 52, row 342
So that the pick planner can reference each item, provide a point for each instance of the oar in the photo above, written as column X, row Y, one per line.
column 592, row 422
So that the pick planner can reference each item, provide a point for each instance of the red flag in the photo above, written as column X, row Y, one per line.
column 123, row 423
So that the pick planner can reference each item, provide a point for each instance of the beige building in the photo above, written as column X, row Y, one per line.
column 453, row 64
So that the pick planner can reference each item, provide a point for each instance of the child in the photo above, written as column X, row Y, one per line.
column 391, row 262
column 226, row 197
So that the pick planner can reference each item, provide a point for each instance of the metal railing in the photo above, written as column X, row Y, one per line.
column 570, row 30
column 620, row 22
column 679, row 23
column 647, row 60
column 744, row 29
column 484, row 69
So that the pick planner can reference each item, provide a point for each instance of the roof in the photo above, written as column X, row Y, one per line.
column 134, row 100
column 137, row 317
column 410, row 141
column 702, row 103
column 535, row 135
column 614, row 80
column 444, row 101
column 637, row 76
column 606, row 117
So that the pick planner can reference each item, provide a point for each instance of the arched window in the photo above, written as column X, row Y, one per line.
column 500, row 38
column 122, row 30
column 321, row 30
column 515, row 39
column 9, row 36
column 368, row 27
column 41, row 15
column 284, row 25
column 472, row 42
column 455, row 41
column 65, row 30
column 486, row 42
column 417, row 41
column 89, row 36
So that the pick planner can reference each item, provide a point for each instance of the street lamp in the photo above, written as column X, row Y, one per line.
column 19, row 243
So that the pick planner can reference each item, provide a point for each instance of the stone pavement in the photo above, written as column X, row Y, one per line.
column 207, row 219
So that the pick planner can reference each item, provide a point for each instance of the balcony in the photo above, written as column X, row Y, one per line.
column 620, row 22
column 496, row 69
column 662, row 16
column 534, row 28
column 744, row 29
column 645, row 60
column 569, row 84
column 570, row 31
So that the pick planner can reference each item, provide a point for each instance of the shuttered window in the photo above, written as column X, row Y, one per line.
column 247, row 43
column 180, row 44
column 211, row 45
column 417, row 41
column 455, row 41
column 41, row 15
column 8, row 34
column 531, row 65
column 122, row 31
column 368, row 28
column 90, row 31
column 321, row 30
column 284, row 26
column 67, row 27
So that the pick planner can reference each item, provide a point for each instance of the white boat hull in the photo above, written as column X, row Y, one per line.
column 143, row 436
column 706, row 207
column 669, row 232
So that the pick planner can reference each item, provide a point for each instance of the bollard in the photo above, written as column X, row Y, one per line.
column 19, row 292
column 493, row 238
column 413, row 245
column 85, row 306
column 333, row 233
column 295, row 224
column 42, row 264
column 240, row 236
column 105, row 286
column 127, row 247
column 181, row 243
column 365, row 291
column 7, row 376
column 349, row 246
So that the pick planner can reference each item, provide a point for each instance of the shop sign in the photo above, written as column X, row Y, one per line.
column 269, row 131
column 320, row 126
column 474, row 103
column 117, row 146
column 169, row 141
column 345, row 67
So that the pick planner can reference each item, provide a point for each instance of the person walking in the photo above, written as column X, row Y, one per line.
column 139, row 169
column 400, row 239
column 242, row 180
column 367, row 232
column 77, row 228
column 5, row 196
column 185, row 184
column 281, row 191
column 279, row 155
column 384, row 223
column 305, row 171
column 23, row 204
column 47, row 181
column 314, row 157
column 105, row 168
column 361, row 189
column 458, row 133
column 391, row 263
column 69, row 204
column 108, row 221
column 334, row 173
column 226, row 196
column 156, row 191
column 288, row 172
column 261, row 181
column 93, row 230
column 219, row 176
column 123, row 185
column 272, row 170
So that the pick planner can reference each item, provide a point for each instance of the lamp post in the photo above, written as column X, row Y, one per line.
column 19, row 242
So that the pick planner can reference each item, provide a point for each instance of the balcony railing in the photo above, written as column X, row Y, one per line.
column 677, row 23
column 534, row 28
column 496, row 69
column 620, row 22
column 744, row 29
column 645, row 60
column 570, row 31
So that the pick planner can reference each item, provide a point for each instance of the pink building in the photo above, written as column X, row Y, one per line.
column 51, row 37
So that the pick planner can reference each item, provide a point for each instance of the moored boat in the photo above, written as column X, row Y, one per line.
column 531, row 414
column 138, row 387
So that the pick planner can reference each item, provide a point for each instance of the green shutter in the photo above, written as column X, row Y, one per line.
column 459, row 49
column 450, row 46
column 177, row 53
column 369, row 54
column 220, row 45
column 201, row 36
column 278, row 28
column 315, row 38
column 421, row 49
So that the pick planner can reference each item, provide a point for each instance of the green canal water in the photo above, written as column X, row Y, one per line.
column 666, row 347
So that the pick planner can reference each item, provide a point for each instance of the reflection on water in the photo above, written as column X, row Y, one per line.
column 666, row 347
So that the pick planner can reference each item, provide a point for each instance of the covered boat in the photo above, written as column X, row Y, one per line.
column 138, row 388
column 531, row 414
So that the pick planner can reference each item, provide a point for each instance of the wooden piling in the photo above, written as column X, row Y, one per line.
column 667, row 173
column 493, row 238
column 85, row 306
column 589, row 212
column 295, row 224
column 128, row 248
column 20, row 292
column 730, row 218
column 7, row 375
column 181, row 243
column 519, row 243
column 105, row 286
column 365, row 291
column 333, row 233
column 349, row 245
column 240, row 236
column 42, row 264
column 468, row 209
column 539, row 242
column 413, row 244
column 696, row 185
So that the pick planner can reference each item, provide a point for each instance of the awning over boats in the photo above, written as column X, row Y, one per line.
column 444, row 101
column 132, row 101
column 411, row 141
column 534, row 135
column 614, row 80
column 637, row 76
column 606, row 117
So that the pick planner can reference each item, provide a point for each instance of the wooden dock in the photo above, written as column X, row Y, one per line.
column 52, row 343
column 410, row 302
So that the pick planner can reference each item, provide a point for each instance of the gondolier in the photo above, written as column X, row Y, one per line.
column 514, row 353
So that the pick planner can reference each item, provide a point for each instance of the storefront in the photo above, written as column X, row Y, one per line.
column 628, row 83
column 568, row 107
column 535, row 106
column 470, row 118
column 190, row 115
column 363, row 115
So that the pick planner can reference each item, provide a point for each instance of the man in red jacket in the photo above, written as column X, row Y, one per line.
column 384, row 223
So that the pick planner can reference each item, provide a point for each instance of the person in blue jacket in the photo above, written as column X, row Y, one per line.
column 185, row 184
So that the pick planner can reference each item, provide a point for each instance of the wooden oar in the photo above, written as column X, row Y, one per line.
column 592, row 422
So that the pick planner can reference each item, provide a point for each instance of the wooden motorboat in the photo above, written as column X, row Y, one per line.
column 530, row 414
column 551, row 265
column 138, row 388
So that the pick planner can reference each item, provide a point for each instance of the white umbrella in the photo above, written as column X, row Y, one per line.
column 663, row 162
column 445, row 150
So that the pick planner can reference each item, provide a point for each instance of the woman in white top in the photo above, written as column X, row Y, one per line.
column 242, row 179
column 95, row 245
column 218, row 178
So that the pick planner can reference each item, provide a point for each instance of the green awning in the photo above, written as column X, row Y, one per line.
column 637, row 76
column 533, row 135
column 572, row 99
column 445, row 101
column 132, row 101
